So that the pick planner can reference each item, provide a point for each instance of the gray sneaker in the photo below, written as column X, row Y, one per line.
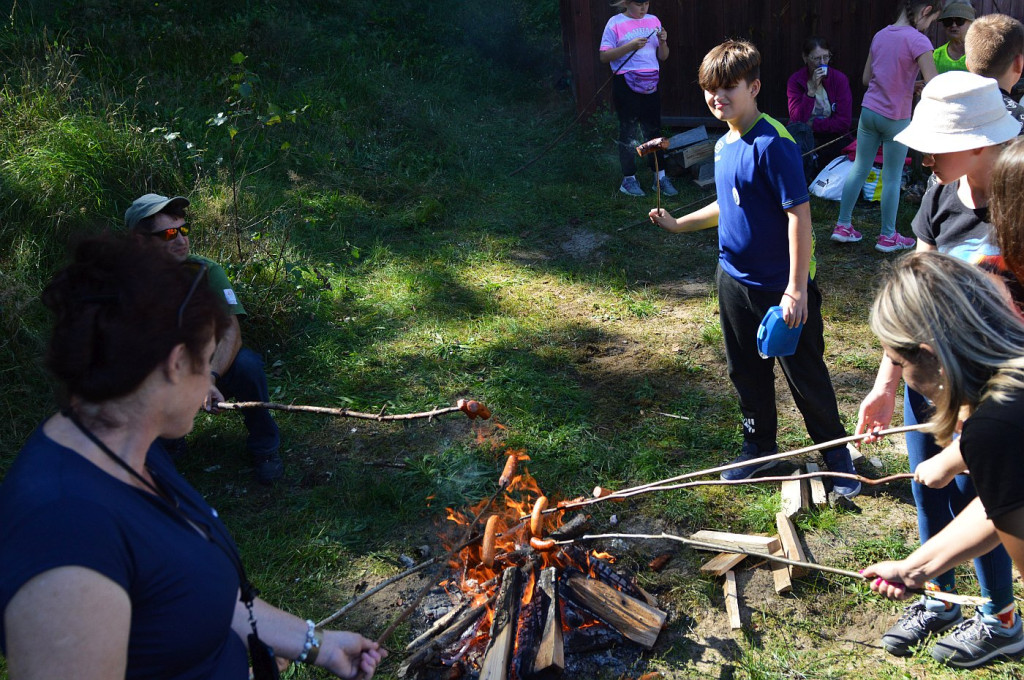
column 920, row 620
column 631, row 187
column 666, row 187
column 978, row 640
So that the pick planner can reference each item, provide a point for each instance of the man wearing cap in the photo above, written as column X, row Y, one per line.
column 237, row 371
column 956, row 18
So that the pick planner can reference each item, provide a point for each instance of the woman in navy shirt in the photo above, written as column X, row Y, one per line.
column 111, row 565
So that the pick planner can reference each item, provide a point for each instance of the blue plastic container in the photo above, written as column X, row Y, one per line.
column 774, row 337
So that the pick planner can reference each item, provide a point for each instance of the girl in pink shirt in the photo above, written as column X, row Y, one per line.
column 898, row 52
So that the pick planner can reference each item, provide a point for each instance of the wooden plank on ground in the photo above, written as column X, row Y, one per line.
column 818, row 494
column 790, row 543
column 794, row 495
column 684, row 139
column 744, row 542
column 705, row 174
column 780, row 573
column 635, row 619
column 732, row 601
column 698, row 153
column 721, row 563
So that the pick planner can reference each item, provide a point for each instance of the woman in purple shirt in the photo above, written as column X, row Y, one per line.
column 820, row 105
column 898, row 52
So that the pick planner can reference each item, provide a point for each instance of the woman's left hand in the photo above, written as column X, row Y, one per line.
column 662, row 35
column 349, row 655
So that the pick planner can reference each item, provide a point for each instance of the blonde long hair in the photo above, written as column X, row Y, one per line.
column 953, row 307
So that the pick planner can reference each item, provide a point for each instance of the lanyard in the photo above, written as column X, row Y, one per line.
column 170, row 502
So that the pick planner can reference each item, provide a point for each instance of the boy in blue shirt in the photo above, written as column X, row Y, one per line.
column 765, row 258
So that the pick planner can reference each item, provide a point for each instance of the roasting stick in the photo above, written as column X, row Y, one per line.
column 471, row 408
column 633, row 491
column 649, row 147
column 757, row 480
column 938, row 595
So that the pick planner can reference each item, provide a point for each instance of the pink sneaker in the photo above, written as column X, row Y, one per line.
column 845, row 234
column 889, row 244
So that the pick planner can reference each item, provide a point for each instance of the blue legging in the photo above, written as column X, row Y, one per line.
column 937, row 507
column 872, row 130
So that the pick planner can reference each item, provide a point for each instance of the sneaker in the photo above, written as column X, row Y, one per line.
column 921, row 619
column 978, row 640
column 269, row 468
column 751, row 453
column 889, row 244
column 845, row 234
column 631, row 187
column 839, row 460
column 666, row 187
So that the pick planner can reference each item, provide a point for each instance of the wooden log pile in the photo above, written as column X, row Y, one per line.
column 526, row 638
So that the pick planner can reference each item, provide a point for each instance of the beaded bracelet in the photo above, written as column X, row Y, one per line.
column 311, row 645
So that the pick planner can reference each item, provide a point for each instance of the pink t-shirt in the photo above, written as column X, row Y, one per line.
column 620, row 29
column 894, row 53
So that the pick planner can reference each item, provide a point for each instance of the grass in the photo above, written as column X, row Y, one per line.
column 388, row 259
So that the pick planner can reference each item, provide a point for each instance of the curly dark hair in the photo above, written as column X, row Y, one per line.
column 120, row 309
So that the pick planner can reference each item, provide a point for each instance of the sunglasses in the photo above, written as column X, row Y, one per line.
column 195, row 284
column 170, row 234
column 959, row 21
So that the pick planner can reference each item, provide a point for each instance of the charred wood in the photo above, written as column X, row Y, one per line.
column 503, row 634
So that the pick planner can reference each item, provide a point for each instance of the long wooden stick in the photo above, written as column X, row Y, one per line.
column 347, row 413
column 758, row 480
column 938, row 595
column 632, row 491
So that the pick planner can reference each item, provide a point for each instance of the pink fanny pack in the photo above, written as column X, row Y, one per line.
column 642, row 82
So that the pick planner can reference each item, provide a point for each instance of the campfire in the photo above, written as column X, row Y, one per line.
column 521, row 600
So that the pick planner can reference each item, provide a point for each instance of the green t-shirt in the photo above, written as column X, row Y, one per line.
column 943, row 64
column 220, row 284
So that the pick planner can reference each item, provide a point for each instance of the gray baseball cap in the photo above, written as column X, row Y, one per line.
column 149, row 205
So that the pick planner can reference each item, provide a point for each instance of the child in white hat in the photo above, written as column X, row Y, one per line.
column 960, row 126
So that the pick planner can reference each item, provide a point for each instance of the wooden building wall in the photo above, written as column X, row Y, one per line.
column 777, row 27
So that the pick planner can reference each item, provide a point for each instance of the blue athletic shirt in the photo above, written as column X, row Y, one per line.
column 58, row 509
column 758, row 177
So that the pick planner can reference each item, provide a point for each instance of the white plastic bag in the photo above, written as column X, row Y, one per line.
column 829, row 182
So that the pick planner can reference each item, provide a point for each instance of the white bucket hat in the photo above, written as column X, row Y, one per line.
column 959, row 111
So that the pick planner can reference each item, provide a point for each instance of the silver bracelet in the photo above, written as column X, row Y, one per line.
column 311, row 645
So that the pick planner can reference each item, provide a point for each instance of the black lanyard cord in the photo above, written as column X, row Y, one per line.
column 166, row 496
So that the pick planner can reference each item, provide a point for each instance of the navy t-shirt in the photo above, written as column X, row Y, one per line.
column 58, row 509
column 758, row 177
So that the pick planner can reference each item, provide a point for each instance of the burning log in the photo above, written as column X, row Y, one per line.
column 550, row 659
column 435, row 646
column 503, row 634
column 633, row 618
column 439, row 625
